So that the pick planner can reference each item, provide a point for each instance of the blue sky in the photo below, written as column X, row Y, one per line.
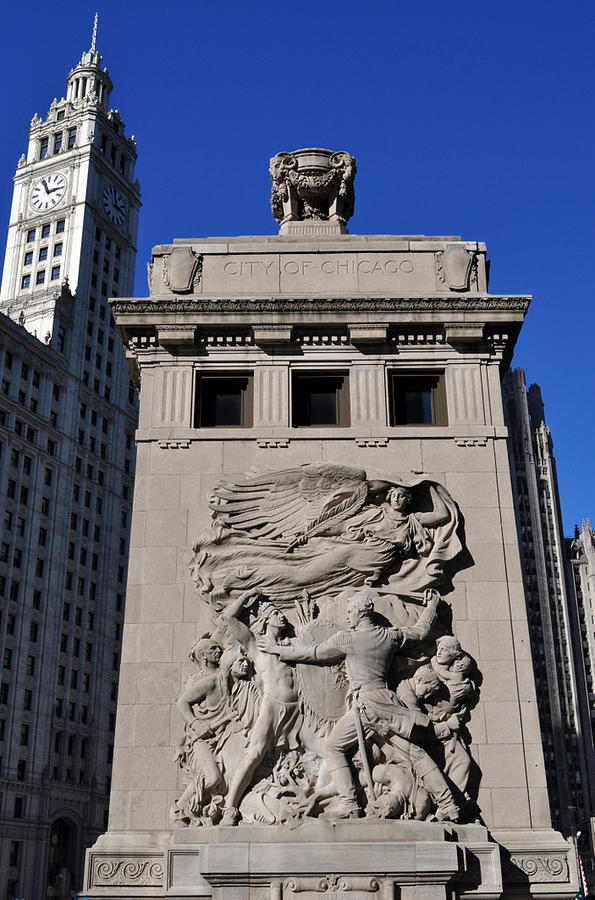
column 470, row 118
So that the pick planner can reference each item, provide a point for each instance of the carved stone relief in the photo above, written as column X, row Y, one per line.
column 454, row 266
column 538, row 867
column 338, row 887
column 127, row 871
column 312, row 184
column 329, row 684
column 178, row 271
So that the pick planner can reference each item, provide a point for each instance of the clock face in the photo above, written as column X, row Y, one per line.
column 113, row 204
column 48, row 191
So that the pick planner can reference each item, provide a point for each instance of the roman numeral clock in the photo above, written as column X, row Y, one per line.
column 75, row 210
column 48, row 191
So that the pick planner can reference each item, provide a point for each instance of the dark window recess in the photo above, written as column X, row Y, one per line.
column 224, row 401
column 417, row 400
column 320, row 399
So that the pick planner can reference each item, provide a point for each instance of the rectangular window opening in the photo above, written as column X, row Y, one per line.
column 224, row 401
column 417, row 399
column 320, row 399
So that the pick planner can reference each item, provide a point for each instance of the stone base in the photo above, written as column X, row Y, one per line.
column 311, row 226
column 352, row 860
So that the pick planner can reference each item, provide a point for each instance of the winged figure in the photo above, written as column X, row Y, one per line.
column 322, row 527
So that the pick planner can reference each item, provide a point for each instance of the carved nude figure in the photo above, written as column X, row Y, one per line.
column 278, row 713
column 368, row 650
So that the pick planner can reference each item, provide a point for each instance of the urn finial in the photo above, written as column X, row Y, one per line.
column 312, row 191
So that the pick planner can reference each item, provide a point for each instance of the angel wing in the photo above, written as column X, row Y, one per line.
column 289, row 503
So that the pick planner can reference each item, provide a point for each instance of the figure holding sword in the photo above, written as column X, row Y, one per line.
column 375, row 710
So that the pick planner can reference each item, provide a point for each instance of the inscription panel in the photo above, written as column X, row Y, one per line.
column 293, row 273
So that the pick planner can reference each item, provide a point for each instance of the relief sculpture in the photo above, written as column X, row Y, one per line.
column 325, row 528
column 330, row 684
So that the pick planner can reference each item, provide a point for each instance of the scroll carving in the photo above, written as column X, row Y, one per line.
column 332, row 884
column 128, row 872
column 542, row 867
column 329, row 685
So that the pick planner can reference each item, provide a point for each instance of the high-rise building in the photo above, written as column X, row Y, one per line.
column 580, row 567
column 67, row 419
column 557, row 625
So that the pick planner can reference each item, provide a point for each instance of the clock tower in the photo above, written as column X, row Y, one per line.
column 74, row 216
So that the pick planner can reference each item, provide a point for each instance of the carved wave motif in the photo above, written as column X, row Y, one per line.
column 542, row 868
column 125, row 871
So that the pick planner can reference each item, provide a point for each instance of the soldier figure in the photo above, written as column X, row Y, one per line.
column 368, row 650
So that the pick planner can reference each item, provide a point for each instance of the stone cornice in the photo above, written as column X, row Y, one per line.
column 460, row 303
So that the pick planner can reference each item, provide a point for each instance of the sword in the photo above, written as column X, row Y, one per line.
column 364, row 756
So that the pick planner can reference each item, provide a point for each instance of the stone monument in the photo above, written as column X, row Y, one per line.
column 326, row 684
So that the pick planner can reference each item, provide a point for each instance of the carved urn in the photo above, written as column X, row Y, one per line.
column 312, row 184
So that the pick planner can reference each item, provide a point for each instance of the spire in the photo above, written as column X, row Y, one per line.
column 88, row 80
column 94, row 38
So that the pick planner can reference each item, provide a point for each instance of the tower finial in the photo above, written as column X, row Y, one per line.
column 94, row 38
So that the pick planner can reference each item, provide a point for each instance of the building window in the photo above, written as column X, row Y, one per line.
column 58, row 142
column 71, row 138
column 43, row 148
column 55, row 273
column 45, row 231
column 40, row 277
column 417, row 399
column 29, row 257
column 31, row 235
column 320, row 399
column 15, row 853
column 224, row 401
column 19, row 807
column 25, row 282
column 60, row 225
column 43, row 254
column 58, row 249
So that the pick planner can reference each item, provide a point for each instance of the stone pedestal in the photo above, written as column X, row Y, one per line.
column 422, row 517
column 352, row 860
